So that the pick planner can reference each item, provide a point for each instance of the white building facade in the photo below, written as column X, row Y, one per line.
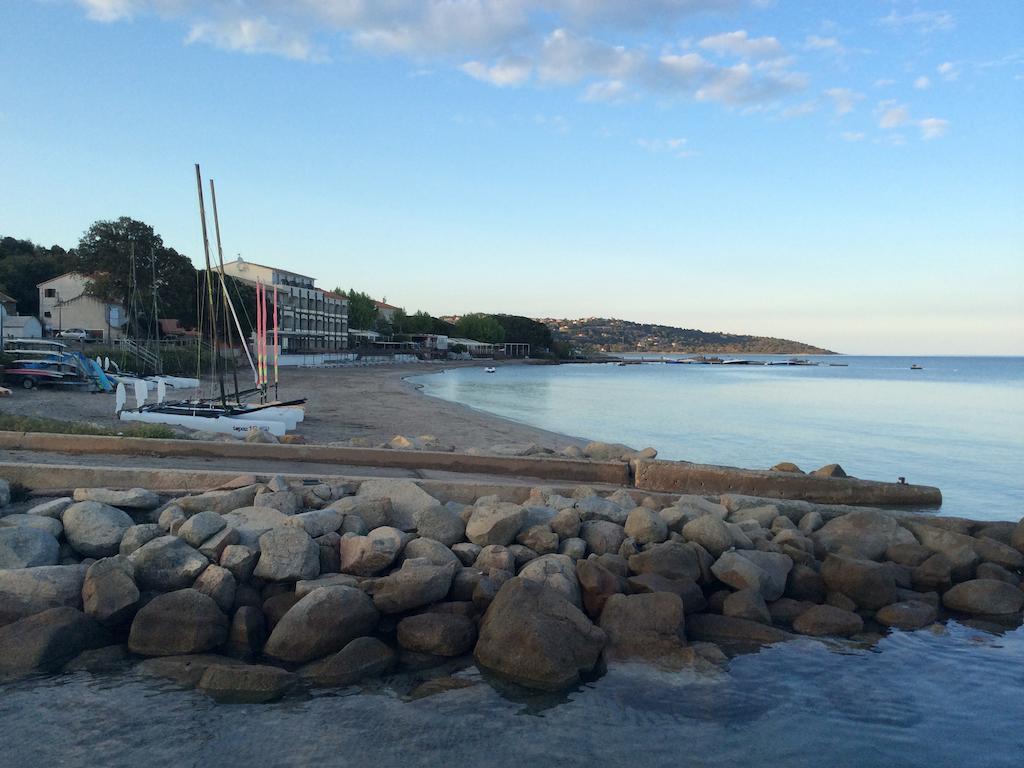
column 64, row 304
column 311, row 320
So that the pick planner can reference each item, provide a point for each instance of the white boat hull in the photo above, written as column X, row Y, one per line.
column 231, row 425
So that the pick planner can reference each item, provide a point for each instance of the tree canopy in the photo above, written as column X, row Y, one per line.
column 362, row 310
column 24, row 264
column 480, row 327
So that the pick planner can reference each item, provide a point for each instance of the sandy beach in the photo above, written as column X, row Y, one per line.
column 375, row 403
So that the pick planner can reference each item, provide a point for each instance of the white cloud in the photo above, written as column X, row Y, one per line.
column 741, row 85
column 566, row 58
column 109, row 10
column 675, row 147
column 828, row 44
column 892, row 114
column 844, row 100
column 852, row 136
column 252, row 36
column 611, row 91
column 884, row 82
column 923, row 21
column 507, row 72
column 948, row 71
column 933, row 128
column 740, row 45
column 922, row 83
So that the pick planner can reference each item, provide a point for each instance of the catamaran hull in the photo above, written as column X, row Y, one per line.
column 231, row 425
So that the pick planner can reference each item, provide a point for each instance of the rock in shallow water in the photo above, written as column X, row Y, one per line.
column 824, row 620
column 46, row 641
column 648, row 627
column 182, row 622
column 363, row 657
column 25, row 591
column 245, row 684
column 984, row 596
column 321, row 623
column 439, row 634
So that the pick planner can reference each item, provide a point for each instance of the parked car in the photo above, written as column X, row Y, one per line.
column 73, row 334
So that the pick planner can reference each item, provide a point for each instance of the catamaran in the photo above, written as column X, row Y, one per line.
column 231, row 413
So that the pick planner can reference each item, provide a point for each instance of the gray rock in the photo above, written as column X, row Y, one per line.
column 432, row 551
column 710, row 532
column 247, row 634
column 673, row 560
column 687, row 590
column 911, row 555
column 253, row 522
column 829, row 470
column 495, row 557
column 214, row 547
column 909, row 615
column 317, row 522
column 373, row 553
column 869, row 584
column 868, row 533
column 566, row 523
column 175, row 623
column 218, row 583
column 1017, row 536
column 648, row 626
column 416, row 584
column 984, row 596
column 53, row 508
column 535, row 637
column 522, row 555
column 992, row 551
column 496, row 523
column 240, row 560
column 710, row 627
column 95, row 529
column 222, row 502
column 574, row 548
column 303, row 588
column 824, row 620
column 467, row 552
column 134, row 498
column 201, row 527
column 25, row 591
column 993, row 571
column 138, row 535
column 245, row 684
column 810, row 522
column 407, row 499
column 805, row 583
column 557, row 572
column 440, row 524
column 540, row 538
column 322, row 623
column 645, row 526
column 764, row 516
column 40, row 523
column 596, row 585
column 438, row 634
column 47, row 640
column 285, row 502
column 24, row 547
column 602, row 536
column 287, row 554
column 166, row 563
column 362, row 658
column 109, row 593
column 776, row 568
column 596, row 508
column 747, row 604
column 171, row 517
column 375, row 513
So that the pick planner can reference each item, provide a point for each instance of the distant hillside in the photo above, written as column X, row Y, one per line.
column 599, row 334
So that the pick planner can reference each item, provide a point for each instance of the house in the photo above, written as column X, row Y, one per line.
column 8, row 304
column 475, row 348
column 64, row 303
column 385, row 311
column 19, row 326
column 310, row 319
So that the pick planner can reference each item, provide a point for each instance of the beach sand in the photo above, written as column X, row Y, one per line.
column 375, row 403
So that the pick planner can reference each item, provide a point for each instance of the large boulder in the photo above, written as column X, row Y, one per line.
column 25, row 591
column 741, row 572
column 958, row 547
column 992, row 551
column 53, row 508
column 317, row 522
column 40, row 523
column 166, row 563
column 597, row 508
column 687, row 589
column 200, row 527
column 672, row 559
column 25, row 547
column 109, row 593
column 45, row 641
column 597, row 584
column 432, row 550
column 221, row 502
column 370, row 554
column 647, row 626
column 134, row 498
column 824, row 620
column 602, row 536
column 363, row 657
column 775, row 566
column 240, row 560
column 535, row 637
column 712, row 628
column 439, row 634
column 645, row 526
column 407, row 499
column 253, row 522
column 869, row 584
column 747, row 604
column 245, row 683
column 441, row 524
column 710, row 532
column 175, row 623
column 94, row 529
column 287, row 554
column 248, row 633
column 321, row 623
column 907, row 615
column 984, row 596
column 495, row 523
column 217, row 582
column 415, row 584
column 869, row 533
column 285, row 502
column 1017, row 536
column 138, row 535
column 557, row 572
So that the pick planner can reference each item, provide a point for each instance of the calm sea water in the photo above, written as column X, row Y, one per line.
column 957, row 424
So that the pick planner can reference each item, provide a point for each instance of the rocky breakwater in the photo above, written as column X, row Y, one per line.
column 251, row 591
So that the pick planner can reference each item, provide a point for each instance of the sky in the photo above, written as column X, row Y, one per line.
column 849, row 174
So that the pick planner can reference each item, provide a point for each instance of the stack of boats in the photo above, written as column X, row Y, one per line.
column 42, row 362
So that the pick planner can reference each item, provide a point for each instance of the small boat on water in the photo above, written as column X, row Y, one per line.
column 490, row 369
column 792, row 361
column 916, row 367
column 742, row 362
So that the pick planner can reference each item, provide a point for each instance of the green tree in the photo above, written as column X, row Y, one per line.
column 523, row 330
column 23, row 265
column 362, row 310
column 106, row 254
column 480, row 327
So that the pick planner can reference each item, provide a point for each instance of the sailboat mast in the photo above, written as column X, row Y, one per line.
column 209, row 289
column 224, row 297
column 156, row 314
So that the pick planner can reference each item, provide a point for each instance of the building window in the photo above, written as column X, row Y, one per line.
column 47, row 314
column 50, row 293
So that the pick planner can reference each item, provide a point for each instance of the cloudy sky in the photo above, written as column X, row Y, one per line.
column 845, row 173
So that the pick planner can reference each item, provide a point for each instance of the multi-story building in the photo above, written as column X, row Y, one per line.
column 64, row 304
column 310, row 320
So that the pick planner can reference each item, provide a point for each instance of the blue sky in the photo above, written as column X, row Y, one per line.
column 845, row 173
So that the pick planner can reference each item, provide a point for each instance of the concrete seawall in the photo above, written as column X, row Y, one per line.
column 682, row 477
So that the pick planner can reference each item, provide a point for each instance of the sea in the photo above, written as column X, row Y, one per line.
column 942, row 696
column 955, row 422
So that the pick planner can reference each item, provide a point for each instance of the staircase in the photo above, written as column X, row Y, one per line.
column 132, row 348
